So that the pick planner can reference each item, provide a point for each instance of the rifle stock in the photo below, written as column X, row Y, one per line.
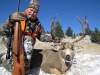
column 18, row 51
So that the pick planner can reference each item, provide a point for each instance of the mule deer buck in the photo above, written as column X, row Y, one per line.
column 56, row 62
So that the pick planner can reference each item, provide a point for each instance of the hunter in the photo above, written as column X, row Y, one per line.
column 32, row 22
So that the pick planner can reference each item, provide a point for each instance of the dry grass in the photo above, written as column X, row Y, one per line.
column 88, row 47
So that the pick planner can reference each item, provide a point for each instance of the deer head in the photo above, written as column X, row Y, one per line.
column 67, row 48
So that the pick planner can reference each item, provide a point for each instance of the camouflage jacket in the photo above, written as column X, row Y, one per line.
column 4, row 28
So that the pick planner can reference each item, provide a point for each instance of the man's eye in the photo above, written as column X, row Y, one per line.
column 31, row 10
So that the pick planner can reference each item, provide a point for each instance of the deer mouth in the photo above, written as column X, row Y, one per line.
column 68, row 59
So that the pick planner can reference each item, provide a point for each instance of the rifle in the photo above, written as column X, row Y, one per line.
column 18, row 51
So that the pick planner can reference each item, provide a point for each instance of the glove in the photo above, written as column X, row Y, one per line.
column 17, row 16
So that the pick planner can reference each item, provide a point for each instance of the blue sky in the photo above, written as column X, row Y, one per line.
column 66, row 10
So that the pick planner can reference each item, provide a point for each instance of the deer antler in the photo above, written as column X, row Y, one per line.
column 84, row 23
column 53, row 27
column 86, row 30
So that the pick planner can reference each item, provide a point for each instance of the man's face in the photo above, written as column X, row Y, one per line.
column 32, row 13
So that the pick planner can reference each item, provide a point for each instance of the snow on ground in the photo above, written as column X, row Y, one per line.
column 86, row 64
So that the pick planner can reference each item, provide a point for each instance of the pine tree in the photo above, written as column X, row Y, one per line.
column 58, row 30
column 69, row 32
column 95, row 36
column 80, row 34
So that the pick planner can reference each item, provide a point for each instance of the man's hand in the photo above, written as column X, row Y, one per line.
column 17, row 16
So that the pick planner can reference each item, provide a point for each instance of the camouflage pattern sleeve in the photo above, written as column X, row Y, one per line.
column 5, row 26
column 43, row 36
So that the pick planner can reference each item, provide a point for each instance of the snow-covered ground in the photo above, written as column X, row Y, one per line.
column 86, row 64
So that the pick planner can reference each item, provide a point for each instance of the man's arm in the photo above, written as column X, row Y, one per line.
column 16, row 16
column 42, row 36
column 4, row 28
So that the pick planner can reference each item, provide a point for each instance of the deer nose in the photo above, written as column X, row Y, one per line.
column 68, row 57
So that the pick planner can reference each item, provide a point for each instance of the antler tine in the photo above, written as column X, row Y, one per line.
column 79, row 20
column 55, row 16
column 53, row 27
column 52, row 23
column 80, row 23
column 85, row 17
column 86, row 23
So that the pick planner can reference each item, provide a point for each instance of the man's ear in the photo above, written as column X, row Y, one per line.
column 26, row 11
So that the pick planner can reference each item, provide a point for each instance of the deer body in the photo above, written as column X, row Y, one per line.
column 49, row 60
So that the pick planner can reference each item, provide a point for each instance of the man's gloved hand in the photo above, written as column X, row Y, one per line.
column 17, row 16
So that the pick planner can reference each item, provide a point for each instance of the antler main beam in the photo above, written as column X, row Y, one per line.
column 53, row 27
column 84, row 23
column 85, row 30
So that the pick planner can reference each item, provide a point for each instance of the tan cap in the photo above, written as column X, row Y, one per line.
column 34, row 4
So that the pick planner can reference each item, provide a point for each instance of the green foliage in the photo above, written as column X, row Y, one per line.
column 69, row 32
column 80, row 34
column 95, row 36
column 74, row 36
column 58, row 30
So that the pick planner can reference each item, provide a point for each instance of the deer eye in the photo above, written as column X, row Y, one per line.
column 72, row 48
column 62, row 48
